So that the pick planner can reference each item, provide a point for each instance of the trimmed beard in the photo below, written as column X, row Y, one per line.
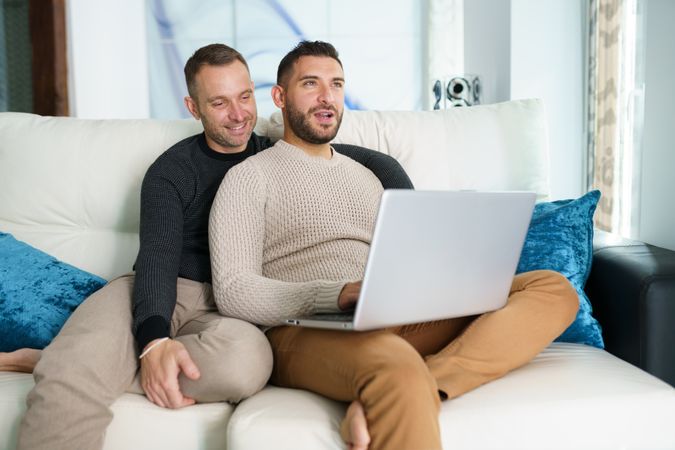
column 301, row 126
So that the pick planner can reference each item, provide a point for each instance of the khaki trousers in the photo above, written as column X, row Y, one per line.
column 93, row 361
column 401, row 374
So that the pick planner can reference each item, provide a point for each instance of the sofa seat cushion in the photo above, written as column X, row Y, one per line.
column 570, row 397
column 137, row 423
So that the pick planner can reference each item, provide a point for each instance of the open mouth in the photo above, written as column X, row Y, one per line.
column 324, row 116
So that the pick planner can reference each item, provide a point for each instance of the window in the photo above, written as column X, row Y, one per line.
column 379, row 41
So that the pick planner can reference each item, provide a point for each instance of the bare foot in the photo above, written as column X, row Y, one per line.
column 22, row 360
column 354, row 429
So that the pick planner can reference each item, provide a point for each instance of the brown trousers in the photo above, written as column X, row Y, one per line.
column 401, row 374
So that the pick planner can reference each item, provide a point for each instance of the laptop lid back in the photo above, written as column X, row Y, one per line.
column 440, row 254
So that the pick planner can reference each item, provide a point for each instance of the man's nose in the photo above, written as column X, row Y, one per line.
column 326, row 95
column 236, row 112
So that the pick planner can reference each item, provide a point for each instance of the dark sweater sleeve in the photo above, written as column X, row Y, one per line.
column 161, row 243
column 385, row 167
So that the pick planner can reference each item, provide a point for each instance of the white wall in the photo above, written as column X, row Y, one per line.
column 534, row 48
column 107, row 53
column 657, row 214
column 547, row 55
column 487, row 42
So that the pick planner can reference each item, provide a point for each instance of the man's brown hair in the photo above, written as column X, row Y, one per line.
column 304, row 48
column 212, row 55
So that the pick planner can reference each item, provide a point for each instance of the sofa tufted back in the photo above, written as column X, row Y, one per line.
column 71, row 187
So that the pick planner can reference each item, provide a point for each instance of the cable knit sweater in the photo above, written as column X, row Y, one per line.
column 287, row 230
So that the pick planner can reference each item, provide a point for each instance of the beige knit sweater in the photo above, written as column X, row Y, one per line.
column 287, row 230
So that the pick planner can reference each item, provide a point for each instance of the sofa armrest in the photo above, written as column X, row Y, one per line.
column 632, row 290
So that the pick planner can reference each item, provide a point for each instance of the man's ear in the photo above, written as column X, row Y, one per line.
column 192, row 107
column 278, row 96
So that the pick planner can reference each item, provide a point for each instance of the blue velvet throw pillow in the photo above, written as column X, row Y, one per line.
column 560, row 238
column 37, row 294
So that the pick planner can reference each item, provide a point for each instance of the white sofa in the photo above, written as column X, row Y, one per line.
column 71, row 188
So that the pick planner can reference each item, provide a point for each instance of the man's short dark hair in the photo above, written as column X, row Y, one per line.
column 304, row 48
column 212, row 55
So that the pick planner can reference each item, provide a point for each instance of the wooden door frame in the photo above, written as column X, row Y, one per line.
column 47, row 22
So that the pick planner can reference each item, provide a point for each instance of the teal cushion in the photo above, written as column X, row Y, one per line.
column 37, row 294
column 560, row 238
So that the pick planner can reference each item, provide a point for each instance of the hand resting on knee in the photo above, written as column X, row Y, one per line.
column 160, row 368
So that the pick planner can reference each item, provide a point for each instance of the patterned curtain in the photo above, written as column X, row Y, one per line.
column 613, row 125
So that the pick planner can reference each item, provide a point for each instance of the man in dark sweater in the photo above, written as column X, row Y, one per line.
column 164, row 313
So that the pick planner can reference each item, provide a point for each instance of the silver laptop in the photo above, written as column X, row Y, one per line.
column 437, row 255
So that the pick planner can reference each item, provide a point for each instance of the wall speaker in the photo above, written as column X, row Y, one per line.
column 463, row 90
column 456, row 90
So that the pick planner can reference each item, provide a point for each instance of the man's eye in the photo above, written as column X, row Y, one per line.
column 309, row 83
column 217, row 104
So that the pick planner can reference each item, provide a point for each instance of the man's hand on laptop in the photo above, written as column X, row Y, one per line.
column 349, row 296
column 159, row 374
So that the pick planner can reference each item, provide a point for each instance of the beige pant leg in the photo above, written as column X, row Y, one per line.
column 381, row 370
column 85, row 368
column 234, row 357
column 89, row 364
column 541, row 305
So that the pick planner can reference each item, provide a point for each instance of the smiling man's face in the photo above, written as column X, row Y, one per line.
column 225, row 104
column 314, row 99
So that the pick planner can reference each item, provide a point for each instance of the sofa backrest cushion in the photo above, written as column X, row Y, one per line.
column 502, row 146
column 71, row 187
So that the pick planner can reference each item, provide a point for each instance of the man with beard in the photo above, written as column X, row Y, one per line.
column 289, row 232
column 164, row 314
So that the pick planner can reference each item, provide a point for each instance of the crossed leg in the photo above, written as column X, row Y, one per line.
column 395, row 378
column 381, row 370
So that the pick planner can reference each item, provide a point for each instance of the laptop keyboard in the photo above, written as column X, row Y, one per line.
column 333, row 317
